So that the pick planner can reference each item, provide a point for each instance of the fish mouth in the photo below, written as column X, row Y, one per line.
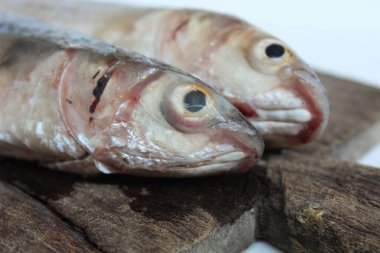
column 244, row 150
column 229, row 162
column 293, row 114
column 280, row 124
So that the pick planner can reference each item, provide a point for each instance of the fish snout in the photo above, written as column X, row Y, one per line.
column 306, row 85
column 239, row 133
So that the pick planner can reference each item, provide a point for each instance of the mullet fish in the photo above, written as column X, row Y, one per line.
column 258, row 73
column 77, row 104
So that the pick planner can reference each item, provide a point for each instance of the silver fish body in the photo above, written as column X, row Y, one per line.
column 78, row 104
column 275, row 89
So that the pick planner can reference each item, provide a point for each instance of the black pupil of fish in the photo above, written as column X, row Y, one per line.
column 275, row 51
column 194, row 101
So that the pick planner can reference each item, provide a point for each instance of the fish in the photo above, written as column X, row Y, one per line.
column 258, row 73
column 78, row 104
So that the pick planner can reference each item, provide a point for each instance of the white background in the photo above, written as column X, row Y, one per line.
column 339, row 37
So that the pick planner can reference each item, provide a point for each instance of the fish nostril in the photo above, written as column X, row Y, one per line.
column 246, row 110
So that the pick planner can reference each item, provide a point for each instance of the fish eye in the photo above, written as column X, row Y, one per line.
column 189, row 107
column 194, row 101
column 275, row 51
column 269, row 55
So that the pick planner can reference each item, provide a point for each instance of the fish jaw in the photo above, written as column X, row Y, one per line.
column 293, row 114
column 232, row 162
column 308, row 87
column 241, row 135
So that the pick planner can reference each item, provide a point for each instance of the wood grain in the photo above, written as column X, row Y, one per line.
column 320, row 205
column 27, row 225
column 126, row 214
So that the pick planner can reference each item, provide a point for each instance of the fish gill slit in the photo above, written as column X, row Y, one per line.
column 99, row 89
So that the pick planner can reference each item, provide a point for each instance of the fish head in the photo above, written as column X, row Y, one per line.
column 156, row 121
column 275, row 89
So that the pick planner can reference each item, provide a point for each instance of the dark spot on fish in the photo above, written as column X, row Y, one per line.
column 96, row 74
column 99, row 89
column 69, row 101
column 90, row 119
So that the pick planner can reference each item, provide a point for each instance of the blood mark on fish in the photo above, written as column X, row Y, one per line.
column 245, row 109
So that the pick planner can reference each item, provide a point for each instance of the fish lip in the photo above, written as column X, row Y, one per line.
column 243, row 157
column 248, row 155
column 295, row 115
column 276, row 124
column 284, row 122
column 211, row 167
column 215, row 159
column 256, row 118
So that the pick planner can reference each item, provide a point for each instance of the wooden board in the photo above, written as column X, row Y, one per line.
column 301, row 200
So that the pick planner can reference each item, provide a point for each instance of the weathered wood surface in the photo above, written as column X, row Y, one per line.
column 29, row 225
column 121, row 214
column 305, row 200
column 320, row 205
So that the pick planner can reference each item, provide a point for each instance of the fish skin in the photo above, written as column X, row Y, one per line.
column 78, row 104
column 223, row 51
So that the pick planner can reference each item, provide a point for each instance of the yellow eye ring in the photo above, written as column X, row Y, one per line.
column 201, row 89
